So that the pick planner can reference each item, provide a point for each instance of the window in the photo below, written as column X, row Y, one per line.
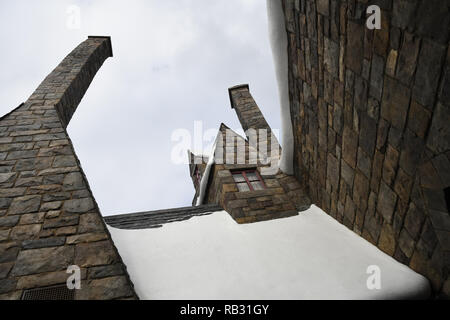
column 197, row 176
column 248, row 180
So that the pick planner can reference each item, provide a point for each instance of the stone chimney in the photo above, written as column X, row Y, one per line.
column 257, row 130
column 49, row 220
column 66, row 85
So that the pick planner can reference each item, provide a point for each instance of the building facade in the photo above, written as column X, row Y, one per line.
column 370, row 111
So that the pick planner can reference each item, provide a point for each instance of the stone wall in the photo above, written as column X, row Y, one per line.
column 49, row 219
column 371, row 113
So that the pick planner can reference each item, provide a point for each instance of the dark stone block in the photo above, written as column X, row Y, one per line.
column 439, row 135
column 333, row 171
column 349, row 146
column 338, row 119
column 406, row 64
column 418, row 119
column 44, row 243
column 411, row 152
column 5, row 203
column 440, row 220
column 368, row 43
column 435, row 199
column 311, row 14
column 347, row 173
column 400, row 256
column 348, row 110
column 428, row 175
column 368, row 134
column 376, row 171
column 381, row 37
column 403, row 13
column 323, row 7
column 359, row 222
column 414, row 220
column 364, row 163
column 395, row 38
column 349, row 212
column 376, row 77
column 9, row 221
column 335, row 19
column 386, row 202
column 90, row 222
column 366, row 69
column 373, row 226
column 390, row 164
column 349, row 80
column 406, row 243
column 105, row 271
column 428, row 236
column 354, row 50
column 403, row 185
column 395, row 137
column 382, row 133
column 7, row 285
column 328, row 87
column 65, row 221
column 43, row 260
column 394, row 107
column 387, row 241
column 25, row 204
column 428, row 71
column 444, row 95
column 4, row 269
column 361, row 91
column 106, row 289
column 442, row 165
column 361, row 191
column 79, row 205
column 433, row 20
column 339, row 93
column 383, row 4
column 373, row 109
column 95, row 254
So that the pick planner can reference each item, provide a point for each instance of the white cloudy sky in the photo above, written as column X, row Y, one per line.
column 173, row 63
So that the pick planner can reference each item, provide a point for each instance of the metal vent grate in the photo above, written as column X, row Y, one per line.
column 50, row 293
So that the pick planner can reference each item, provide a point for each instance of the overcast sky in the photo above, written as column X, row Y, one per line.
column 173, row 63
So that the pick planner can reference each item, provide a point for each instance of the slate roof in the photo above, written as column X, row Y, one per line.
column 156, row 219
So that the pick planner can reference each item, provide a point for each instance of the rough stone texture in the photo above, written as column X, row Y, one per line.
column 391, row 135
column 282, row 195
column 48, row 211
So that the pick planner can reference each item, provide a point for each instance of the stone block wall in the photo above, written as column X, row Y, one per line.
column 283, row 196
column 258, row 132
column 275, row 201
column 49, row 219
column 371, row 114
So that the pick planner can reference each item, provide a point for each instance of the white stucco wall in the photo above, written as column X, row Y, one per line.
column 309, row 256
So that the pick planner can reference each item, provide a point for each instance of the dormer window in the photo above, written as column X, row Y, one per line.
column 248, row 180
column 197, row 176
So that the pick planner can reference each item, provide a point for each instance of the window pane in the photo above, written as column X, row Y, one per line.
column 252, row 176
column 238, row 177
column 243, row 187
column 257, row 185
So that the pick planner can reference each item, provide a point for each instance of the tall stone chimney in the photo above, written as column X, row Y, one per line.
column 257, row 130
column 49, row 220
